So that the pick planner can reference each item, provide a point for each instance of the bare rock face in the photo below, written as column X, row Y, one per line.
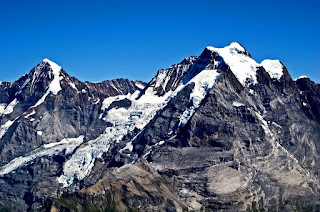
column 233, row 158
column 132, row 186
column 309, row 98
column 114, row 87
column 218, row 132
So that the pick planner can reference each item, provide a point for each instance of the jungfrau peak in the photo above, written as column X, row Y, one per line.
column 215, row 132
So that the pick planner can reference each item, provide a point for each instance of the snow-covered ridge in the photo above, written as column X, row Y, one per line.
column 139, row 85
column 273, row 67
column 9, row 108
column 302, row 77
column 243, row 66
column 54, row 87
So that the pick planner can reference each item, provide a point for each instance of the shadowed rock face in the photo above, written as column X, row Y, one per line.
column 225, row 159
column 232, row 145
column 310, row 98
column 113, row 87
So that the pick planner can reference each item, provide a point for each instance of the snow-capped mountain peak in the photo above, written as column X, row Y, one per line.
column 237, row 46
column 243, row 66
column 273, row 67
column 302, row 77
column 239, row 61
column 54, row 86
column 55, row 67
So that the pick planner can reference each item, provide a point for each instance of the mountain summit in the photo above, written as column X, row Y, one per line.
column 217, row 131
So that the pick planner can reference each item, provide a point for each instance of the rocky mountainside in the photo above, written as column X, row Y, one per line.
column 44, row 114
column 218, row 132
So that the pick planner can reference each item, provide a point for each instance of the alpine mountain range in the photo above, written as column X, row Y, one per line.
column 215, row 132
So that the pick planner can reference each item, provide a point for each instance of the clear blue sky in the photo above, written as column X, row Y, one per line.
column 99, row 40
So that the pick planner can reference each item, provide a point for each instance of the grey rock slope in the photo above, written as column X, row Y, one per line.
column 218, row 132
column 230, row 157
column 37, row 112
column 250, row 147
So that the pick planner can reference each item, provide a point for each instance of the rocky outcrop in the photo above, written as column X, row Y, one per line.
column 114, row 87
column 168, row 79
column 309, row 97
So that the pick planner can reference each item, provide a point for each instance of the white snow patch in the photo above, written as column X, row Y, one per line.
column 273, row 67
column 73, row 85
column 83, row 91
column 2, row 108
column 128, row 146
column 305, row 104
column 161, row 142
column 30, row 114
column 277, row 125
column 96, row 102
column 237, row 104
column 139, row 85
column 66, row 144
column 302, row 77
column 147, row 153
column 10, row 107
column 39, row 133
column 268, row 131
column 5, row 127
